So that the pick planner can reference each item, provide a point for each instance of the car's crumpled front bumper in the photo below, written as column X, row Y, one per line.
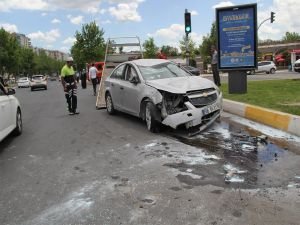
column 195, row 116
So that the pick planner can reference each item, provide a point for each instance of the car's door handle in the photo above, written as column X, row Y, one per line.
column 122, row 88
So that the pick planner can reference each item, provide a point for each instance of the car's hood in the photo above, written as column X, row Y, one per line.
column 180, row 85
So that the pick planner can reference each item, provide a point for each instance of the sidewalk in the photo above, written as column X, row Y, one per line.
column 283, row 121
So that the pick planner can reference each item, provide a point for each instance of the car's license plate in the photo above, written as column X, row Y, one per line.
column 209, row 109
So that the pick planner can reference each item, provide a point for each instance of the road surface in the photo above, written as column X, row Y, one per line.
column 97, row 169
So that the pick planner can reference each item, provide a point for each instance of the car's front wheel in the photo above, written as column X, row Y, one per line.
column 152, row 124
column 272, row 71
column 19, row 125
column 109, row 104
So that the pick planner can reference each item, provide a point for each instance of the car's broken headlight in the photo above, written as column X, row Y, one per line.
column 172, row 103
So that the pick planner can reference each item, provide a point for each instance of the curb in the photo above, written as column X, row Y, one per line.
column 279, row 120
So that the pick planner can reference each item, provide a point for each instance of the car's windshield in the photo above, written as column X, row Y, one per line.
column 23, row 78
column 162, row 71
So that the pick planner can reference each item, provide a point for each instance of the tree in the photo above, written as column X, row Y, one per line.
column 8, row 52
column 89, row 45
column 208, row 41
column 191, row 47
column 169, row 50
column 150, row 48
column 26, row 62
column 291, row 36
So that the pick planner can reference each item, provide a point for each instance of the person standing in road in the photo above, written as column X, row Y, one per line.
column 214, row 65
column 77, row 76
column 93, row 76
column 83, row 79
column 68, row 80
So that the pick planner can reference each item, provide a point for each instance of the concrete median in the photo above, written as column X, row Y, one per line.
column 283, row 121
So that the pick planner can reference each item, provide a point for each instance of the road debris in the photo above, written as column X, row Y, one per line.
column 233, row 174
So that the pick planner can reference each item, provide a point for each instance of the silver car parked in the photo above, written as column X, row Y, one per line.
column 160, row 92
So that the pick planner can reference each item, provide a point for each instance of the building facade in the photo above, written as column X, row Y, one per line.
column 23, row 40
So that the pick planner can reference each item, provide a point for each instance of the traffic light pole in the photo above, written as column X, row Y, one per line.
column 272, row 19
column 263, row 22
column 187, row 52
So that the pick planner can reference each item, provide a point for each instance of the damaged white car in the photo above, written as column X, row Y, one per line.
column 160, row 92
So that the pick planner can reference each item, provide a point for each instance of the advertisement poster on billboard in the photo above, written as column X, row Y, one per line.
column 237, row 37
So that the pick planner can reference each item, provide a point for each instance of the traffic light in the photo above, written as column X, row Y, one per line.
column 272, row 17
column 187, row 22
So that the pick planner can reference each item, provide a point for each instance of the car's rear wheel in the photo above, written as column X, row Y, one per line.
column 19, row 125
column 272, row 71
column 109, row 104
column 152, row 124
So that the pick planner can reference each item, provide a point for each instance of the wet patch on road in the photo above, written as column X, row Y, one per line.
column 228, row 155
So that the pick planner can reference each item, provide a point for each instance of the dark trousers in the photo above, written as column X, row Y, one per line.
column 83, row 81
column 94, row 82
column 71, row 96
column 216, row 74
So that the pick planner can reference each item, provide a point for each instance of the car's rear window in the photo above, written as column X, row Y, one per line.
column 37, row 77
column 162, row 71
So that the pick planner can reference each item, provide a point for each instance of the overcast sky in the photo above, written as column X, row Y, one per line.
column 52, row 24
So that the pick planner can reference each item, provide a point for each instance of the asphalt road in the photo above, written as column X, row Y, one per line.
column 96, row 169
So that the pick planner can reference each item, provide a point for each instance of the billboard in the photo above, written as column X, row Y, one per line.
column 237, row 37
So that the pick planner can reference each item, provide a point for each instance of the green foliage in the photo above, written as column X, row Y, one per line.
column 150, row 48
column 169, row 51
column 17, row 60
column 89, row 45
column 291, row 36
column 208, row 41
column 281, row 95
column 191, row 47
column 26, row 62
column 8, row 52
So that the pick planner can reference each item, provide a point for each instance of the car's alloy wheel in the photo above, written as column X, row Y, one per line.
column 272, row 71
column 152, row 124
column 148, row 117
column 109, row 104
column 19, row 124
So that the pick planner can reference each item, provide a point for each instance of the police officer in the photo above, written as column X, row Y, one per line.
column 68, row 80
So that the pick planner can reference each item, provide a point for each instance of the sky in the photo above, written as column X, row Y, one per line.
column 51, row 24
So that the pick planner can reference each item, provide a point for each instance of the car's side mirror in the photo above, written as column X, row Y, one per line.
column 11, row 91
column 134, row 80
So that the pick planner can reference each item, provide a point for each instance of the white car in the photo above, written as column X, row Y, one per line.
column 267, row 67
column 160, row 92
column 23, row 82
column 38, row 81
column 10, row 113
column 297, row 66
